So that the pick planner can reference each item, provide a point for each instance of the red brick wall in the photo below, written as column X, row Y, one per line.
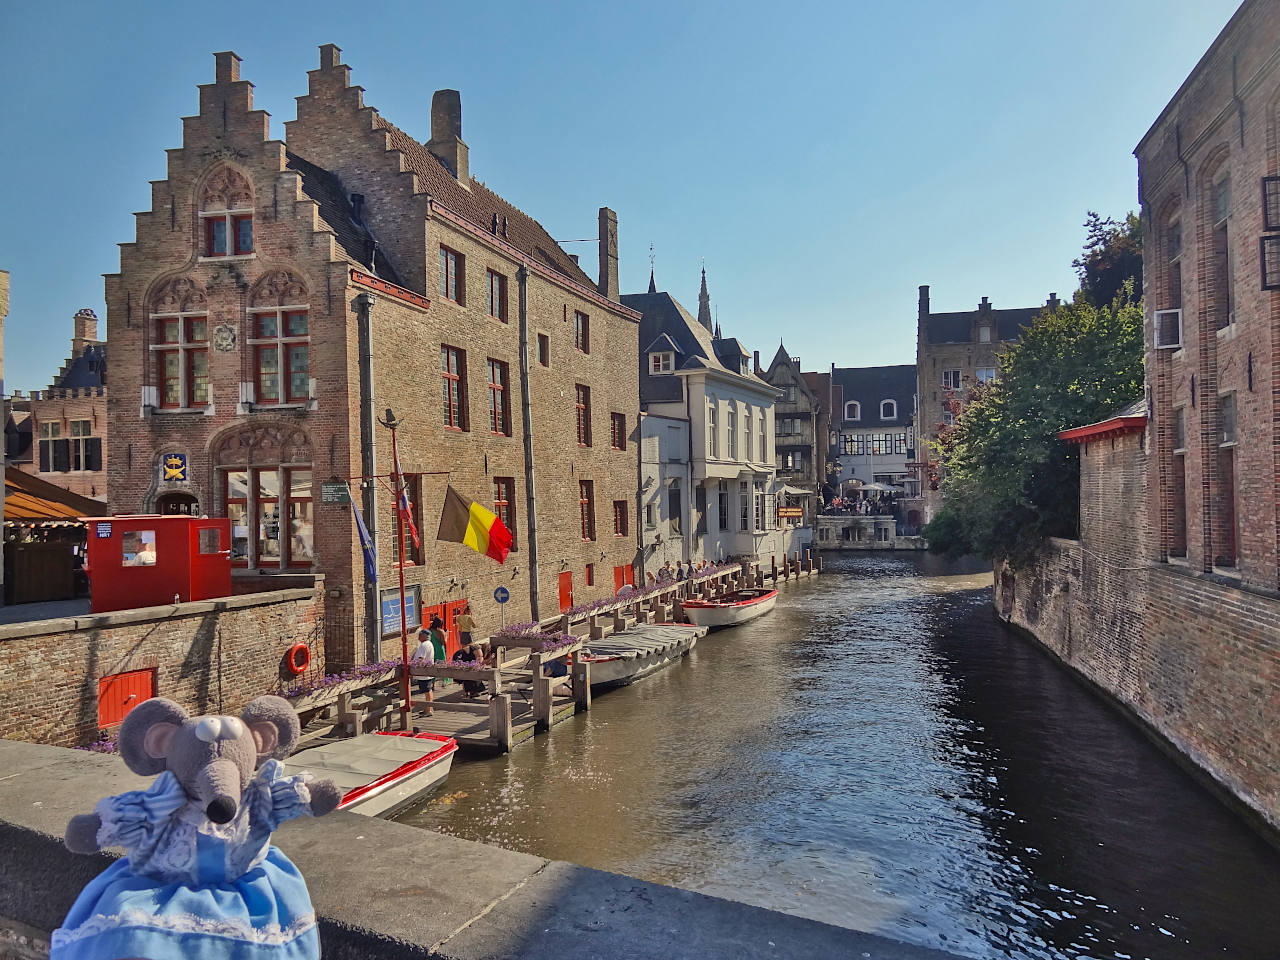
column 63, row 406
column 212, row 656
column 1196, row 659
column 1223, row 120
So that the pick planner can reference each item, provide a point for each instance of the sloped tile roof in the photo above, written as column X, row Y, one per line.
column 958, row 327
column 480, row 205
column 336, row 212
column 869, row 386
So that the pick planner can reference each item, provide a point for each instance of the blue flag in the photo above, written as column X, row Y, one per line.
column 366, row 542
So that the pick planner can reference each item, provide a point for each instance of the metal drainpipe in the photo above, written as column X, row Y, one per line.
column 368, row 468
column 526, row 415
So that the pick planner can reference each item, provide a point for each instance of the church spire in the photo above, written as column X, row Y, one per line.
column 704, row 303
column 653, row 287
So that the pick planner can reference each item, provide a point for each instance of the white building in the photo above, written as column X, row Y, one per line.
column 719, row 494
column 872, row 417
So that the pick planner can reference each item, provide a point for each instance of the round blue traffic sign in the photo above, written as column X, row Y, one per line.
column 502, row 594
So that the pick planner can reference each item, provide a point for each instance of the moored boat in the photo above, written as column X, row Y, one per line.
column 730, row 610
column 647, row 648
column 380, row 772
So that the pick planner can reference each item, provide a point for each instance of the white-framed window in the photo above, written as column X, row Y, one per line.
column 986, row 374
column 950, row 379
column 853, row 410
column 732, row 425
column 744, row 506
column 181, row 352
column 984, row 334
column 746, row 435
column 713, row 430
column 227, row 233
column 888, row 409
column 280, row 338
column 661, row 362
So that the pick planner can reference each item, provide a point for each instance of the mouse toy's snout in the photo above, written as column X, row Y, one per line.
column 221, row 809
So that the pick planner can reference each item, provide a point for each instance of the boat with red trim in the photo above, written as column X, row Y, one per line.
column 380, row 772
column 731, row 609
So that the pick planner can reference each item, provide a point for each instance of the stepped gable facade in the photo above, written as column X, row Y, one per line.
column 60, row 434
column 281, row 296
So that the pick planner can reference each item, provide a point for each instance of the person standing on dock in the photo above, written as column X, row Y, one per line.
column 466, row 627
column 431, row 649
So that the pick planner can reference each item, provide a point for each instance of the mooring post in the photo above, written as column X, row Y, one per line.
column 582, row 684
column 500, row 720
column 773, row 562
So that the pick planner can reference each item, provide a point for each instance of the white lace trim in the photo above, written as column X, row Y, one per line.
column 185, row 923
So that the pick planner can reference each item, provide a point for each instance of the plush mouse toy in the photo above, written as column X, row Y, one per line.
column 201, row 879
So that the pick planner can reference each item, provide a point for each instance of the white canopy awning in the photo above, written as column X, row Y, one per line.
column 796, row 491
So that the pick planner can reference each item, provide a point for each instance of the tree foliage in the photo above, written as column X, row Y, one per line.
column 1008, row 480
column 1112, row 257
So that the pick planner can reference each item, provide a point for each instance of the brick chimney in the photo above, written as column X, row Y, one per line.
column 226, row 67
column 924, row 301
column 608, row 282
column 84, row 330
column 984, row 306
column 1053, row 302
column 446, row 135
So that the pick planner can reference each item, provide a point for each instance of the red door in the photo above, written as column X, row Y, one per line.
column 631, row 575
column 566, row 590
column 121, row 692
column 446, row 612
column 619, row 578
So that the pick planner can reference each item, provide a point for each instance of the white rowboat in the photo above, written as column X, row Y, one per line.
column 644, row 649
column 381, row 772
column 730, row 610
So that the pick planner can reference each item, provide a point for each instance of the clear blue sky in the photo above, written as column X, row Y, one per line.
column 825, row 158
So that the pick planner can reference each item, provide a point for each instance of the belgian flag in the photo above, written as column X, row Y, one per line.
column 467, row 522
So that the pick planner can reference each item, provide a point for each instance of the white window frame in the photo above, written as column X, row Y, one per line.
column 986, row 374
column 893, row 404
column 661, row 363
column 281, row 342
column 857, row 410
column 183, row 347
column 713, row 431
column 229, row 217
column 951, row 379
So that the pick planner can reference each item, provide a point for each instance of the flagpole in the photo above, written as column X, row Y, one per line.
column 397, row 479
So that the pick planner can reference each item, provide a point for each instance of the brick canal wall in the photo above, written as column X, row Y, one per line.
column 1196, row 661
column 211, row 656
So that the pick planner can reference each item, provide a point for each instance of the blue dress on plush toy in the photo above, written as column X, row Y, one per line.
column 195, row 889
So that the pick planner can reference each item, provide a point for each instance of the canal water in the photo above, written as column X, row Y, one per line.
column 880, row 753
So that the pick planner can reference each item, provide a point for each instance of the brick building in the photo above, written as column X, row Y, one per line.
column 953, row 352
column 1209, row 183
column 59, row 434
column 280, row 296
column 1170, row 598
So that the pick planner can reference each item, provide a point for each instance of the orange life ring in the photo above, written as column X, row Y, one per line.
column 298, row 659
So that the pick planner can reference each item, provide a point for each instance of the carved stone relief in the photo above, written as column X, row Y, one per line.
column 278, row 288
column 226, row 190
column 265, row 444
column 179, row 295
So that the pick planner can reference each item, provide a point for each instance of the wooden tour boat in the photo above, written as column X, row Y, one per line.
column 380, row 772
column 624, row 658
column 730, row 610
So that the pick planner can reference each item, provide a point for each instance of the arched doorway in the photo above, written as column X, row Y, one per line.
column 178, row 503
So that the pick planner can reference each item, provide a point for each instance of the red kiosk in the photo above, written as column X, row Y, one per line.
column 150, row 560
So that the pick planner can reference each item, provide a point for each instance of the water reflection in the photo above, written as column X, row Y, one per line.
column 879, row 753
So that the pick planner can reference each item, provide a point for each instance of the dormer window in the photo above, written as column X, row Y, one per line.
column 889, row 408
column 745, row 368
column 853, row 410
column 661, row 362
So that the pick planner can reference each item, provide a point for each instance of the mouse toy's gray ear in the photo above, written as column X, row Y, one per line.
column 274, row 725
column 146, row 732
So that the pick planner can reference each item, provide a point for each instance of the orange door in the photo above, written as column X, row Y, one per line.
column 121, row 692
column 566, row 590
column 619, row 578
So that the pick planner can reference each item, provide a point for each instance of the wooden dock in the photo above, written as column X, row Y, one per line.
column 519, row 700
